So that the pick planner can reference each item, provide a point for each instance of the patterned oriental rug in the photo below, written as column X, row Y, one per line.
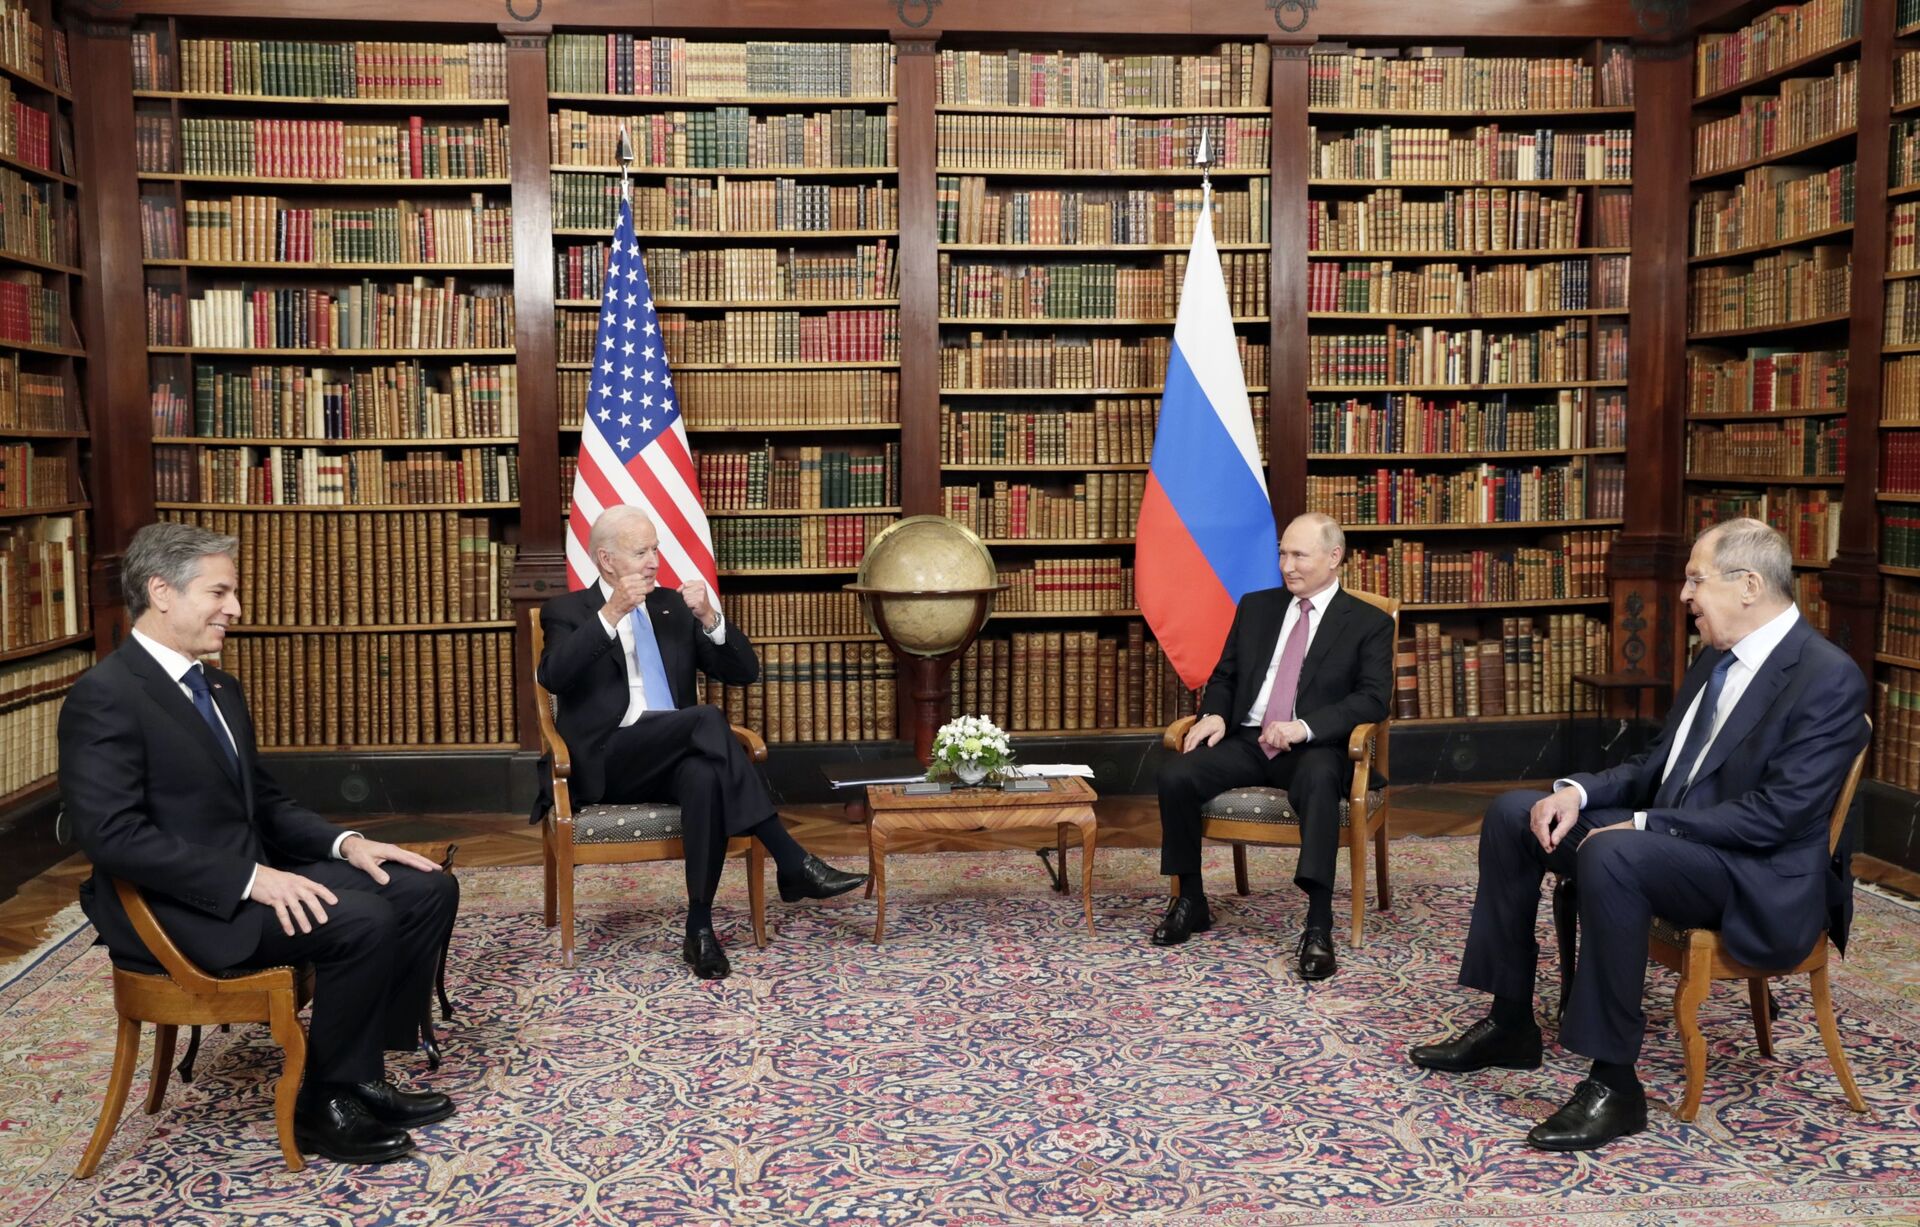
column 992, row 1063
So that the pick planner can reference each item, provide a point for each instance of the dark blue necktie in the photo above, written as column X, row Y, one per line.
column 1674, row 788
column 195, row 680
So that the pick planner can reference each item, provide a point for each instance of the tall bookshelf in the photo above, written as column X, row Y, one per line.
column 1067, row 196
column 1467, row 357
column 46, row 634
column 1896, row 757
column 1770, row 278
column 765, row 190
column 330, row 326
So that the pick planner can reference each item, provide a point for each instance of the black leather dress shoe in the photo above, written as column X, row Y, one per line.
column 1184, row 918
column 703, row 953
column 1595, row 1115
column 1484, row 1045
column 339, row 1127
column 1316, row 955
column 815, row 879
column 390, row 1105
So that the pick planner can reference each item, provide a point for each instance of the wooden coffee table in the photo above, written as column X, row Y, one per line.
column 1066, row 803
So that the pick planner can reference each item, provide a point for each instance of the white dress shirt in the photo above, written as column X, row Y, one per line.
column 1749, row 655
column 1319, row 600
column 177, row 666
column 637, row 704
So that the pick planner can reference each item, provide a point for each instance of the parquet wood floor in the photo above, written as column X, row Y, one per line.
column 506, row 839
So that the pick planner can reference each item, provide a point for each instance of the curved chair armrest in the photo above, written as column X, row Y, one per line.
column 1360, row 743
column 178, row 967
column 557, row 746
column 1177, row 732
column 755, row 746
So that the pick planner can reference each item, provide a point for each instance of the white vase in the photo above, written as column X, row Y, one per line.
column 970, row 771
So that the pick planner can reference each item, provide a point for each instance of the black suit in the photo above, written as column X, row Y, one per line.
column 154, row 799
column 688, row 755
column 1744, row 852
column 1345, row 681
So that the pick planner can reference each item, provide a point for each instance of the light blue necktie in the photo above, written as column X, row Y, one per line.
column 654, row 689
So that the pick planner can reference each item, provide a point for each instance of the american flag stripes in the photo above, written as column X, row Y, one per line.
column 633, row 444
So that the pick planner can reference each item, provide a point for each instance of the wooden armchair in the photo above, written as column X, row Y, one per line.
column 619, row 834
column 1696, row 955
column 187, row 996
column 1266, row 817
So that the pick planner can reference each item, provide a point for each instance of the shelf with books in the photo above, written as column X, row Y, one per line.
column 45, row 266
column 1028, row 108
column 391, row 747
column 325, row 507
column 331, row 355
column 411, row 185
column 1427, row 255
column 1117, row 248
column 1822, row 58
column 1798, row 240
column 1386, row 316
column 34, row 81
column 328, row 442
column 686, row 101
column 1353, row 526
column 38, row 171
column 1390, row 182
column 1758, row 330
column 742, row 304
column 397, row 628
column 1151, row 390
column 304, row 266
column 1470, row 454
column 1765, row 479
column 728, row 172
column 1834, row 144
column 1013, row 321
column 28, row 651
column 51, row 351
column 1335, row 388
column 48, row 509
column 318, row 101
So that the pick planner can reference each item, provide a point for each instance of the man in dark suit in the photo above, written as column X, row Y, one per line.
column 165, row 789
column 1301, row 667
column 1722, row 823
column 620, row 656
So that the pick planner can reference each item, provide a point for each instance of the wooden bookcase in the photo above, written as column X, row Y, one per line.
column 331, row 342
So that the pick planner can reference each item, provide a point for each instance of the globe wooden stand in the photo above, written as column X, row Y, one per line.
column 930, row 687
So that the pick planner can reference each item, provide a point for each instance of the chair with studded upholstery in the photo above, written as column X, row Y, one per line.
column 1265, row 817
column 620, row 834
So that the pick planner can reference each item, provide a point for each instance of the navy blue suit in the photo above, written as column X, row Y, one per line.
column 1744, row 853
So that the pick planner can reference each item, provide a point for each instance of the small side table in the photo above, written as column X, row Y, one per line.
column 1629, row 684
column 1066, row 803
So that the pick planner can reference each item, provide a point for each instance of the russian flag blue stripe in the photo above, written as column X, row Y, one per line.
column 1209, row 486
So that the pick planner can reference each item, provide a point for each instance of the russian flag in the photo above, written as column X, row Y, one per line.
column 1206, row 536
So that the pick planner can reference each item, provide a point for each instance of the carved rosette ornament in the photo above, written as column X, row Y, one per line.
column 923, row 8
column 1291, row 15
column 1661, row 18
column 514, row 13
column 1634, row 650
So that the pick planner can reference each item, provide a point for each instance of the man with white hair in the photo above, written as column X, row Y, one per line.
column 620, row 656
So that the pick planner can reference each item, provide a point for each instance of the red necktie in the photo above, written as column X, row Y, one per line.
column 1286, row 679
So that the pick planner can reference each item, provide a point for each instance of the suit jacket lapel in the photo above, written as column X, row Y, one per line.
column 1333, row 624
column 167, row 693
column 1759, row 696
column 227, row 699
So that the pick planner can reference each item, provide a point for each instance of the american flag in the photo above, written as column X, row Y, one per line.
column 633, row 444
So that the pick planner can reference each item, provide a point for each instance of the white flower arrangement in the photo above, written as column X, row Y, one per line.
column 971, row 748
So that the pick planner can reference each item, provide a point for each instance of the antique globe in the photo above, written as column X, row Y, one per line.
column 928, row 585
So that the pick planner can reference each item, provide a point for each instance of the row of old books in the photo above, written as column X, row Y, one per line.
column 31, row 695
column 23, row 43
column 1409, row 423
column 1779, row 37
column 1012, row 361
column 815, row 692
column 288, row 69
column 1090, row 291
column 967, row 210
column 1900, row 620
column 1903, row 314
column 1486, row 153
column 1525, row 672
column 30, row 401
column 35, row 219
column 1430, row 355
column 1067, row 585
column 1896, row 728
column 775, row 336
column 1381, row 287
column 725, row 206
column 738, row 274
column 26, row 131
column 266, row 228
column 772, row 543
column 1903, row 166
column 354, row 569
column 1565, row 566
column 1800, row 447
column 811, row 477
column 797, row 615
column 1903, row 238
column 1775, row 204
column 306, row 476
column 30, row 312
column 1767, row 380
column 727, row 138
column 1900, row 463
column 1447, row 79
column 1483, row 494
column 409, row 315
column 1806, row 109
column 28, row 480
column 734, row 399
column 320, row 691
column 1066, row 681
column 1793, row 286
column 336, row 149
column 1118, row 431
column 1101, row 506
column 44, row 571
column 402, row 401
column 1488, row 219
column 1900, row 390
column 1114, row 142
column 1231, row 75
column 1900, row 538
column 1809, row 518
column 676, row 68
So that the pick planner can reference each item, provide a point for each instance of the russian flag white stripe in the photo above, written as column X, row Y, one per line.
column 1204, row 335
